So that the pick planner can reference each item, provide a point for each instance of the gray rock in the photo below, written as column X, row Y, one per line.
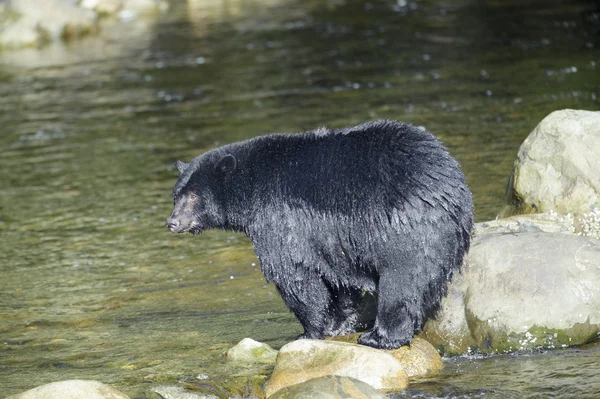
column 329, row 387
column 305, row 359
column 522, row 291
column 557, row 166
column 72, row 389
column 251, row 351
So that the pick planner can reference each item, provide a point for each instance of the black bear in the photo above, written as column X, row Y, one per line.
column 380, row 207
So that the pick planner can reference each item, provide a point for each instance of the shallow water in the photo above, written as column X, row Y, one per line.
column 548, row 374
column 93, row 285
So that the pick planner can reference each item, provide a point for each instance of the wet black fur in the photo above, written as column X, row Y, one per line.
column 378, row 207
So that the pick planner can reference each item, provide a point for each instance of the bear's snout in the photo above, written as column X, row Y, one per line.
column 173, row 224
column 180, row 223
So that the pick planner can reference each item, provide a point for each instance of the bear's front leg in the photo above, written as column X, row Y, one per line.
column 308, row 297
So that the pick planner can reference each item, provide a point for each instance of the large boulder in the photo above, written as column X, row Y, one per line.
column 521, row 291
column 72, row 389
column 305, row 359
column 557, row 166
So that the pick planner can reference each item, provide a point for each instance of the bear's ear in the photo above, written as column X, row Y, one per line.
column 181, row 166
column 225, row 165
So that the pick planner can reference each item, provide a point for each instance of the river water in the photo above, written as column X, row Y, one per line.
column 93, row 285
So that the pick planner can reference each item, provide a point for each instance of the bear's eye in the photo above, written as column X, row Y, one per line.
column 175, row 194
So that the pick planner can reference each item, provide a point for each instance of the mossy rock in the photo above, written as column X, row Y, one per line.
column 251, row 351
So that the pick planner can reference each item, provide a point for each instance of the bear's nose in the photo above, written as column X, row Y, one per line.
column 172, row 224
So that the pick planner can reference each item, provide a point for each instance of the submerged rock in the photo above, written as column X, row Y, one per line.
column 519, row 292
column 72, row 389
column 229, row 385
column 329, row 387
column 251, row 351
column 303, row 360
column 175, row 392
column 557, row 166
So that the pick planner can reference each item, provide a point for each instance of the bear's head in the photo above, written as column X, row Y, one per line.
column 198, row 195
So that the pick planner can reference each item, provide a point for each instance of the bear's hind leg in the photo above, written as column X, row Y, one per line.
column 399, row 308
column 343, row 311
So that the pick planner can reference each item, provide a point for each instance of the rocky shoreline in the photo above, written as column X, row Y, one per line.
column 31, row 23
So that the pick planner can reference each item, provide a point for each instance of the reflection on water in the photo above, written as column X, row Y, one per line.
column 93, row 286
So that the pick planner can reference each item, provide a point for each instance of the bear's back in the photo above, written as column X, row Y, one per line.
column 376, row 164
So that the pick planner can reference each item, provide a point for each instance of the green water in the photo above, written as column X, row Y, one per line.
column 92, row 285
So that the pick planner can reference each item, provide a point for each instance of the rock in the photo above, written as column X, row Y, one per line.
column 541, row 222
column 175, row 392
column 104, row 7
column 230, row 385
column 584, row 224
column 250, row 351
column 136, row 7
column 143, row 7
column 418, row 358
column 519, row 292
column 58, row 18
column 72, row 389
column 329, row 387
column 33, row 23
column 37, row 22
column 305, row 359
column 24, row 32
column 557, row 166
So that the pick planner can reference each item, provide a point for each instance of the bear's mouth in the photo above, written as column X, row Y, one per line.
column 195, row 230
column 182, row 225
